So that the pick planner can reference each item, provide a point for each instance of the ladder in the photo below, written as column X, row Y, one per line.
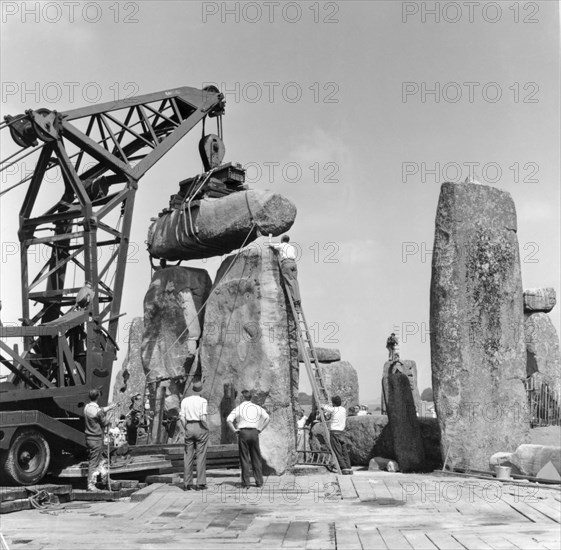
column 320, row 393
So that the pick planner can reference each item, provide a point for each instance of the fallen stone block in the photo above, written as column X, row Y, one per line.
column 530, row 459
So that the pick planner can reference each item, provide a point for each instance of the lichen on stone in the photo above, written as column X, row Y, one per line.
column 489, row 261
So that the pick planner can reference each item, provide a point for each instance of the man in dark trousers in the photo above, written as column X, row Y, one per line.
column 287, row 254
column 248, row 420
column 134, row 418
column 391, row 346
column 96, row 422
column 193, row 417
column 337, row 424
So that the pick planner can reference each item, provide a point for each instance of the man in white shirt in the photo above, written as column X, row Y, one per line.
column 96, row 422
column 193, row 417
column 250, row 420
column 337, row 424
column 85, row 296
column 289, row 270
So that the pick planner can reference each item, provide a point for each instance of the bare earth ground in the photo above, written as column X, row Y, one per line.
column 370, row 510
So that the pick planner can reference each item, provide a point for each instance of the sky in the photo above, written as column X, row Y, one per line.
column 357, row 111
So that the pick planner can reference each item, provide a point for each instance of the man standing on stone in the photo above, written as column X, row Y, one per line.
column 248, row 420
column 193, row 417
column 391, row 346
column 289, row 271
column 337, row 425
column 96, row 422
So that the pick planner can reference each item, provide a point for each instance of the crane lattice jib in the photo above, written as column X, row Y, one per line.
column 102, row 151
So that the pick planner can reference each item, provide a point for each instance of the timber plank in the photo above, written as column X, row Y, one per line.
column 296, row 534
column 444, row 540
column 529, row 513
column 383, row 491
column 418, row 540
column 143, row 506
column 347, row 487
column 15, row 505
column 145, row 492
column 394, row 488
column 321, row 535
column 274, row 535
column 521, row 540
column 471, row 541
column 497, row 542
column 371, row 539
column 546, row 511
column 363, row 488
column 347, row 537
column 394, row 539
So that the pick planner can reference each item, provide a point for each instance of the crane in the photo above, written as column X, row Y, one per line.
column 101, row 151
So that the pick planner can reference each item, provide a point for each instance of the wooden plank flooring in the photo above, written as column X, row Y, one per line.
column 366, row 511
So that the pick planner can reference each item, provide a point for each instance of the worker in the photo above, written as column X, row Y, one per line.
column 391, row 346
column 134, row 418
column 337, row 423
column 96, row 422
column 287, row 254
column 85, row 296
column 193, row 417
column 301, row 425
column 248, row 420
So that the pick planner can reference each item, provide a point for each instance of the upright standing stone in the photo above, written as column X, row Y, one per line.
column 409, row 368
column 404, row 424
column 542, row 350
column 249, row 343
column 131, row 379
column 341, row 379
column 476, row 320
column 173, row 314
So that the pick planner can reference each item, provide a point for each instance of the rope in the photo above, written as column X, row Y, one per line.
column 210, row 294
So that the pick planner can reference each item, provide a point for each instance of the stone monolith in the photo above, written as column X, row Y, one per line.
column 409, row 368
column 341, row 379
column 404, row 424
column 542, row 350
column 173, row 314
column 249, row 342
column 478, row 356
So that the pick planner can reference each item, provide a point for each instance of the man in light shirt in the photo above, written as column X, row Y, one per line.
column 96, row 422
column 193, row 417
column 248, row 420
column 289, row 270
column 337, row 424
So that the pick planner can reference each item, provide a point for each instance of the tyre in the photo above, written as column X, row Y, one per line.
column 27, row 460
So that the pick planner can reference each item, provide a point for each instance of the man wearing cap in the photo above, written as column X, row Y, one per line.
column 96, row 423
column 85, row 296
column 248, row 420
column 134, row 418
column 193, row 417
